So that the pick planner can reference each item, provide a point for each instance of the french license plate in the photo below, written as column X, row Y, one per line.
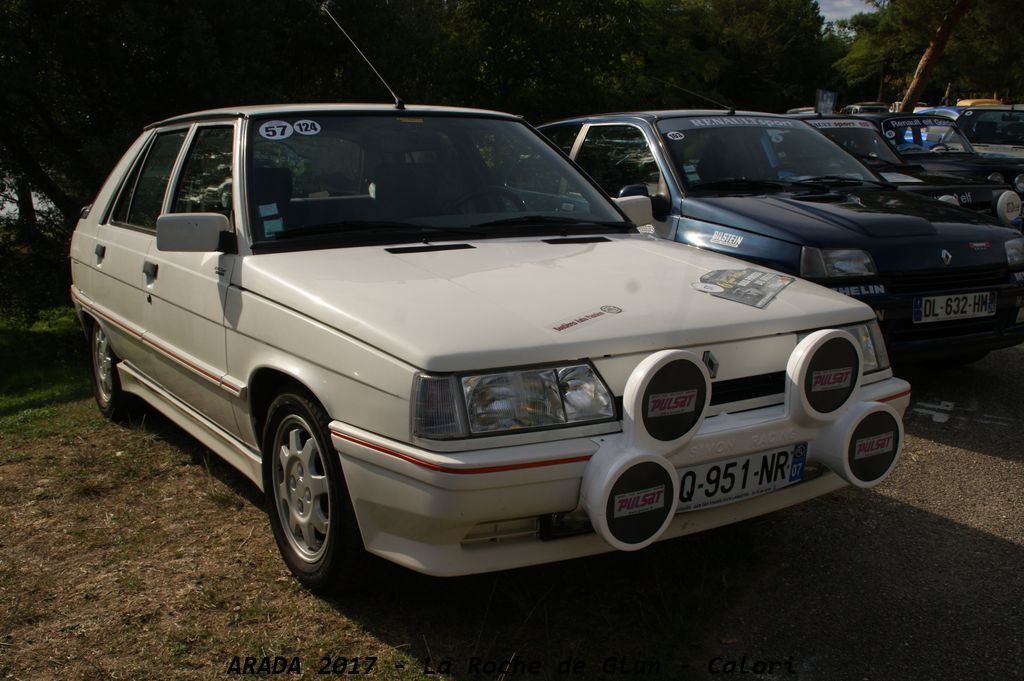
column 724, row 482
column 959, row 306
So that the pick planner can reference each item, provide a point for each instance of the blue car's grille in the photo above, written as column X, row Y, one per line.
column 954, row 279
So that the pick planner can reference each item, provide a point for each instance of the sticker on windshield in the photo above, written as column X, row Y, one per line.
column 968, row 113
column 268, row 209
column 890, row 134
column 307, row 127
column 839, row 124
column 749, row 286
column 576, row 321
column 739, row 121
column 276, row 130
column 675, row 135
column 271, row 227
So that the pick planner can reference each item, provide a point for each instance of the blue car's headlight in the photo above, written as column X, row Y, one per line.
column 834, row 263
column 1015, row 252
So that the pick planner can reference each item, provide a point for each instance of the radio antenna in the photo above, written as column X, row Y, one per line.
column 731, row 108
column 399, row 104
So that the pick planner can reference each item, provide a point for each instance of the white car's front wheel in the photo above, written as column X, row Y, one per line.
column 310, row 510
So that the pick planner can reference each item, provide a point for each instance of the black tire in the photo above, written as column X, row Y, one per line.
column 112, row 401
column 310, row 509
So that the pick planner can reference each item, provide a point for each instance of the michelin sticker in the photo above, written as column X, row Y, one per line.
column 276, row 130
column 577, row 321
column 749, row 286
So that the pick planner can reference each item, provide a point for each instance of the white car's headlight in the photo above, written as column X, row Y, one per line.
column 446, row 407
column 996, row 177
column 1018, row 183
column 872, row 345
column 1015, row 252
column 828, row 263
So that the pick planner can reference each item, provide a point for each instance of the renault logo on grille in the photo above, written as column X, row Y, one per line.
column 947, row 257
column 710, row 362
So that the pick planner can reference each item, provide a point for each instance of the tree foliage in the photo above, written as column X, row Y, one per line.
column 82, row 77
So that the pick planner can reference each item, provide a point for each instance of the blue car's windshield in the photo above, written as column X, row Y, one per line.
column 735, row 150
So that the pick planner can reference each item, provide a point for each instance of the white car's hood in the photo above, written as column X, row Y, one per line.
column 507, row 302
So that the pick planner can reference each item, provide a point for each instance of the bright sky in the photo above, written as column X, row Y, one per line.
column 842, row 9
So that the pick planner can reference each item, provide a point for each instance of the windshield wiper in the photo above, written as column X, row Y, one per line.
column 839, row 180
column 738, row 183
column 545, row 220
column 354, row 226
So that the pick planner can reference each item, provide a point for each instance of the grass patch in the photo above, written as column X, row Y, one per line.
column 45, row 366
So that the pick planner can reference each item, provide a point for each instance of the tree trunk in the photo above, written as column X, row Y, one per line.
column 26, row 209
column 933, row 53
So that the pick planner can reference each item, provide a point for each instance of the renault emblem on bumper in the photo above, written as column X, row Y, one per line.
column 947, row 257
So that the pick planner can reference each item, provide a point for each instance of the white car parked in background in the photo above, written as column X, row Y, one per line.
column 427, row 336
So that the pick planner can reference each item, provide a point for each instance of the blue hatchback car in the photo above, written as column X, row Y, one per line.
column 944, row 281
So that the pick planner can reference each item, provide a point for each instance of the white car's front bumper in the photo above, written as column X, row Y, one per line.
column 478, row 511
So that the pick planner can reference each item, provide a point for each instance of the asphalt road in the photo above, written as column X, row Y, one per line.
column 921, row 578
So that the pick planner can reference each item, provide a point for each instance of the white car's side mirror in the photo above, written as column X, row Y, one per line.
column 192, row 232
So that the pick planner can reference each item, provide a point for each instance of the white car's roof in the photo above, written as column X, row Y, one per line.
column 293, row 109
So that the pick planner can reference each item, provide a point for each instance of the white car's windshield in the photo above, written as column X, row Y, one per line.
column 916, row 135
column 735, row 151
column 359, row 179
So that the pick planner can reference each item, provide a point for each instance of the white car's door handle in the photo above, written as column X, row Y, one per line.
column 150, row 269
column 101, row 252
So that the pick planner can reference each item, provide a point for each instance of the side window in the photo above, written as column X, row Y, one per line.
column 205, row 184
column 617, row 156
column 142, row 197
column 563, row 136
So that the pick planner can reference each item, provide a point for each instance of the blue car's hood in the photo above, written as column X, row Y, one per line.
column 844, row 218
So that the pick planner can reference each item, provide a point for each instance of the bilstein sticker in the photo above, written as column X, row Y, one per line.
column 831, row 379
column 576, row 321
column 668, row 404
column 726, row 239
column 640, row 501
column 873, row 446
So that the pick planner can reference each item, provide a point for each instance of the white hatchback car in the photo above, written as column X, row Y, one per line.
column 427, row 336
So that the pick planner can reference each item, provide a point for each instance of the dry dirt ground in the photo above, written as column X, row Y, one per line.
column 129, row 552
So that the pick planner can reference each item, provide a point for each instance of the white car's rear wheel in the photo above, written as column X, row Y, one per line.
column 105, row 383
column 310, row 510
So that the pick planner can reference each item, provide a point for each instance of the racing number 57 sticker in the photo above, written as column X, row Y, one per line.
column 276, row 130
